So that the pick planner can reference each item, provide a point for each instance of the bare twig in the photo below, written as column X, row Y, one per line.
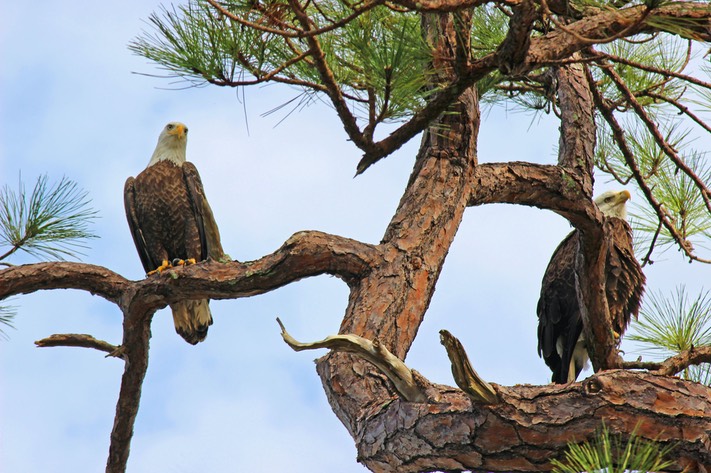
column 656, row 70
column 680, row 106
column 376, row 353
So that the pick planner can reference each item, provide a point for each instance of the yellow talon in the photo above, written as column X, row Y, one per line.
column 165, row 265
column 183, row 262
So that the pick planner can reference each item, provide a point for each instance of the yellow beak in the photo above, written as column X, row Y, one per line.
column 179, row 131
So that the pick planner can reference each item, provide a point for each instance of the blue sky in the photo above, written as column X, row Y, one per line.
column 73, row 105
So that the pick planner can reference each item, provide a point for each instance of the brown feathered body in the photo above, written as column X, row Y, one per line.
column 171, row 219
column 560, row 324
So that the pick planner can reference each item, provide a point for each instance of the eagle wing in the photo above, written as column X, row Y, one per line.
column 625, row 279
column 558, row 310
column 211, row 246
column 129, row 201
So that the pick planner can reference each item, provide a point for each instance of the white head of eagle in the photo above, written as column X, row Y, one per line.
column 172, row 144
column 612, row 203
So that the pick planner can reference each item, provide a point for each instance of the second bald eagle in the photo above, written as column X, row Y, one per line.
column 560, row 325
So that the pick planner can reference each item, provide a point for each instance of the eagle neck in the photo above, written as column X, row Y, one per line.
column 165, row 153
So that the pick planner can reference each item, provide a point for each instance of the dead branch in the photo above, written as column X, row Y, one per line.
column 464, row 374
column 79, row 340
column 397, row 372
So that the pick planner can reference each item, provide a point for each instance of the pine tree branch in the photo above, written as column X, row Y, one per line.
column 674, row 364
column 680, row 106
column 655, row 70
column 678, row 363
column 619, row 136
column 656, row 134
column 297, row 33
column 333, row 90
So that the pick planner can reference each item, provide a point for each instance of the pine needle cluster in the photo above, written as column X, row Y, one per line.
column 50, row 222
column 669, row 325
column 609, row 453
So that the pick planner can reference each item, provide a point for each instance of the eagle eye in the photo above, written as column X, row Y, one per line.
column 169, row 126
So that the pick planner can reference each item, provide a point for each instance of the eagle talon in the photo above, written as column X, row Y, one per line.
column 165, row 265
column 183, row 262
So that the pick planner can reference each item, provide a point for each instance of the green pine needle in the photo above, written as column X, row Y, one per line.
column 609, row 453
column 50, row 222
column 669, row 325
column 7, row 314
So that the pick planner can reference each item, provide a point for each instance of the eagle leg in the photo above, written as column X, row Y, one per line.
column 165, row 265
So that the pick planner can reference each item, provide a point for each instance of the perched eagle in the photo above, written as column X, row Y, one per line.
column 172, row 223
column 560, row 325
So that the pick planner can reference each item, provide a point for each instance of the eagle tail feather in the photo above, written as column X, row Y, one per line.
column 192, row 319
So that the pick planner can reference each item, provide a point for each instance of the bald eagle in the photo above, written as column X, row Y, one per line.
column 171, row 221
column 560, row 325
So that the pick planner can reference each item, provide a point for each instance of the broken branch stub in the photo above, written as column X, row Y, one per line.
column 396, row 371
column 465, row 376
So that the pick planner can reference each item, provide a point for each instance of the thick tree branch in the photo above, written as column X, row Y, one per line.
column 304, row 254
column 532, row 424
column 136, row 337
column 559, row 44
column 674, row 364
column 576, row 149
column 543, row 186
column 26, row 279
column 513, row 50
